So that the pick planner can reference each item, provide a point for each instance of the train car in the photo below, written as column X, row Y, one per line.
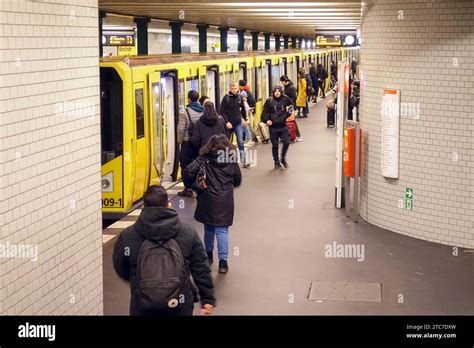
column 142, row 98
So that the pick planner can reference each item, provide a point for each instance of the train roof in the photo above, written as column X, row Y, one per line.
column 191, row 57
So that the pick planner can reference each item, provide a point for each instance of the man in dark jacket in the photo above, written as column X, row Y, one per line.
column 233, row 111
column 275, row 112
column 250, row 98
column 322, row 76
column 314, row 79
column 159, row 223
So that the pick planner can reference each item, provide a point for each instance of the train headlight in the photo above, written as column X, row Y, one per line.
column 108, row 182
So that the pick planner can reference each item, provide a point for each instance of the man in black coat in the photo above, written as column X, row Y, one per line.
column 233, row 111
column 275, row 112
column 158, row 222
column 322, row 76
column 314, row 79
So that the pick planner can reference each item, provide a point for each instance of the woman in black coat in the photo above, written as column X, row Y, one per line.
column 215, row 204
column 209, row 124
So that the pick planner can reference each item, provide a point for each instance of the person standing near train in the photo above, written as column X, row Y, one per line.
column 301, row 102
column 290, row 92
column 314, row 79
column 188, row 152
column 322, row 76
column 233, row 111
column 208, row 125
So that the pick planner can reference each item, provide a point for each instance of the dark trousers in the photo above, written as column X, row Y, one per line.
column 321, row 86
column 187, row 154
column 276, row 134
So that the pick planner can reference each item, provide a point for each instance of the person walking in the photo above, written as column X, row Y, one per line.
column 275, row 111
column 157, row 255
column 233, row 111
column 208, row 125
column 188, row 152
column 215, row 200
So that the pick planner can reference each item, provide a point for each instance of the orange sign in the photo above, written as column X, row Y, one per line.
column 349, row 152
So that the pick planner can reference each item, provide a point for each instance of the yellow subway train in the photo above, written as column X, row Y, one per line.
column 142, row 97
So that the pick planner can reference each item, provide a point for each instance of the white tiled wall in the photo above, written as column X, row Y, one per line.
column 50, row 156
column 425, row 48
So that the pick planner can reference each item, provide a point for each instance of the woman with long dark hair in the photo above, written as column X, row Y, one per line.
column 215, row 201
column 209, row 124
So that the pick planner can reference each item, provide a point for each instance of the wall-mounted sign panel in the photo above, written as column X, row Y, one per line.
column 390, row 112
column 118, row 39
column 323, row 41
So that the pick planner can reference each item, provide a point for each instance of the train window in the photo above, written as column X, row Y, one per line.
column 276, row 75
column 268, row 79
column 203, row 85
column 182, row 95
column 243, row 71
column 228, row 79
column 251, row 79
column 139, row 113
column 258, row 84
column 192, row 83
column 111, row 114
column 285, row 66
column 222, row 85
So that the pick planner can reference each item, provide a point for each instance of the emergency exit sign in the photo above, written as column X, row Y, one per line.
column 409, row 198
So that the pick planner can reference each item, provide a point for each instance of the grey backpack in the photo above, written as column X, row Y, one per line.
column 160, row 276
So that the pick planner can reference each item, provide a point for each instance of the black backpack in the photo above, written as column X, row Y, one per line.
column 160, row 276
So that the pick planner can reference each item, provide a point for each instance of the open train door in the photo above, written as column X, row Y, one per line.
column 164, row 111
column 140, row 143
column 154, row 86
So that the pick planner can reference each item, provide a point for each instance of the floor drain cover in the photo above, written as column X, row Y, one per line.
column 339, row 291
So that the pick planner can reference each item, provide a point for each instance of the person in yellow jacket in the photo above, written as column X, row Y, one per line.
column 301, row 102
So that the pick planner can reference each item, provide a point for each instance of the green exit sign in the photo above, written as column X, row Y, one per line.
column 409, row 198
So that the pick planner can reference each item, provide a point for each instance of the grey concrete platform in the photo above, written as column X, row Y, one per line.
column 285, row 221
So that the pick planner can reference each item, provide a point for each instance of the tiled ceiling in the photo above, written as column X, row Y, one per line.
column 302, row 18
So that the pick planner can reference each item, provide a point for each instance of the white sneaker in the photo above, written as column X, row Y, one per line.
column 299, row 140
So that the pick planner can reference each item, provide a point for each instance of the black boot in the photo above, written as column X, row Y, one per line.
column 210, row 257
column 223, row 267
column 277, row 165
column 284, row 164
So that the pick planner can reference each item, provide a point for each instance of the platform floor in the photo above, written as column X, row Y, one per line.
column 283, row 222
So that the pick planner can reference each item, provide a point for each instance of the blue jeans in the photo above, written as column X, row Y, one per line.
column 222, row 235
column 247, row 134
column 239, row 132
